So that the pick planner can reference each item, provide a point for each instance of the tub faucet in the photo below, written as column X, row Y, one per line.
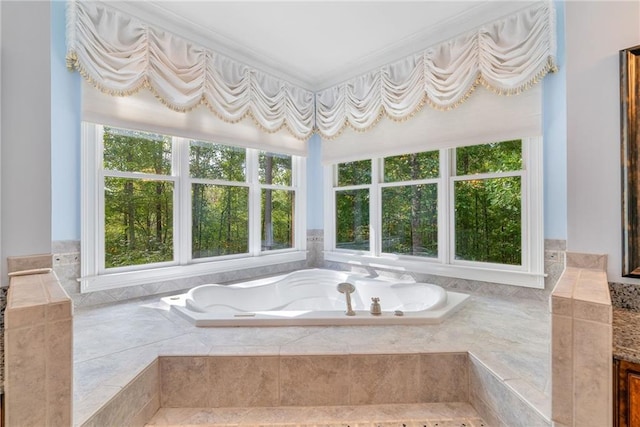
column 347, row 289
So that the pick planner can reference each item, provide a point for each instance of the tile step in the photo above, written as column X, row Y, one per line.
column 457, row 414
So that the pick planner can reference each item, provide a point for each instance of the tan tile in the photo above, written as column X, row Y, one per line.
column 25, row 384
column 444, row 377
column 59, row 372
column 592, row 311
column 28, row 262
column 562, row 369
column 384, row 379
column 59, row 311
column 581, row 260
column 243, row 381
column 314, row 380
column 184, row 382
column 592, row 373
column 24, row 316
column 561, row 305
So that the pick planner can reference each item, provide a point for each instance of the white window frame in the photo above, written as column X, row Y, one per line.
column 529, row 274
column 94, row 275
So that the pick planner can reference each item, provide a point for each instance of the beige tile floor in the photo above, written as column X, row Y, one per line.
column 113, row 343
column 391, row 415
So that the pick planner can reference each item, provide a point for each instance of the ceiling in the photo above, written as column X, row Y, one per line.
column 316, row 44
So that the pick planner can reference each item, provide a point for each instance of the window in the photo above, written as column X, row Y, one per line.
column 162, row 207
column 472, row 212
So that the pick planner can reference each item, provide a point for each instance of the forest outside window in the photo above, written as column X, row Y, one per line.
column 448, row 211
column 153, row 200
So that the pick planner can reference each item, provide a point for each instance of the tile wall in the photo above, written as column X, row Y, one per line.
column 66, row 264
column 581, row 344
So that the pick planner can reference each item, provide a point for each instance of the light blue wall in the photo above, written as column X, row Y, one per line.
column 554, row 112
column 65, row 135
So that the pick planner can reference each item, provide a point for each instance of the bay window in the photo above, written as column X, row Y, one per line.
column 157, row 207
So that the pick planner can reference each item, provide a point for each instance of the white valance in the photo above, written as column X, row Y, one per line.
column 120, row 54
column 506, row 56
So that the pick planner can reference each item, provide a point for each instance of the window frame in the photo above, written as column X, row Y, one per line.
column 94, row 275
column 529, row 274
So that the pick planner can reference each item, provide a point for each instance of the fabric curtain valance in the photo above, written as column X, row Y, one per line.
column 120, row 54
column 507, row 56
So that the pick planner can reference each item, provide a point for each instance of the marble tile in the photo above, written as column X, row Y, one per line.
column 325, row 380
column 25, row 367
column 586, row 310
column 28, row 262
column 146, row 413
column 582, row 260
column 562, row 369
column 126, row 405
column 444, row 377
column 561, row 305
column 384, row 379
column 508, row 407
column 243, row 381
column 183, row 382
column 59, row 372
column 592, row 344
column 64, row 246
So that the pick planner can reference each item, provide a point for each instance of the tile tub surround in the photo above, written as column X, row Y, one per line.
column 113, row 344
column 38, row 352
column 581, row 344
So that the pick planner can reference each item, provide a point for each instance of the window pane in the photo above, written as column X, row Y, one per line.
column 494, row 157
column 352, row 219
column 409, row 167
column 216, row 161
column 274, row 169
column 277, row 219
column 134, row 151
column 410, row 220
column 488, row 220
column 219, row 220
column 138, row 226
column 354, row 173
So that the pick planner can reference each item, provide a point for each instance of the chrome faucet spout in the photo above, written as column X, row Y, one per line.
column 347, row 289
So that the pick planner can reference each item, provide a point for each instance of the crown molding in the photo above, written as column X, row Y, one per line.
column 474, row 17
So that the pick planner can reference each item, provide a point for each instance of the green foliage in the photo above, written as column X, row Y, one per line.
column 410, row 167
column 138, row 212
column 277, row 227
column 495, row 157
column 133, row 151
column 138, row 221
column 215, row 161
column 219, row 220
column 354, row 173
column 488, row 217
column 410, row 220
column 274, row 169
column 352, row 219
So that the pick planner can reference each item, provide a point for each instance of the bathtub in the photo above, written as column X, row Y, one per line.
column 310, row 297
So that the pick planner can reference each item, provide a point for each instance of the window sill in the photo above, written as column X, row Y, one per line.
column 505, row 277
column 140, row 277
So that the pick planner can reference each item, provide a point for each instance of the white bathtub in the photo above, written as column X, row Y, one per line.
column 310, row 297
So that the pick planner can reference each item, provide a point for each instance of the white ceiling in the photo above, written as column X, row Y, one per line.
column 316, row 44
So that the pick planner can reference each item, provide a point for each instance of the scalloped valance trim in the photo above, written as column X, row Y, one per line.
column 507, row 57
column 120, row 55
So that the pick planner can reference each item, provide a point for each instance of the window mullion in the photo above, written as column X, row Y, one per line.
column 182, row 216
column 375, row 208
column 445, row 207
column 254, row 202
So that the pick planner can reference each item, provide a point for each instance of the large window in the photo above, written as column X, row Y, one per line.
column 188, row 206
column 472, row 212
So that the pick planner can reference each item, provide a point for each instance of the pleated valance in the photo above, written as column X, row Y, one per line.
column 507, row 56
column 120, row 55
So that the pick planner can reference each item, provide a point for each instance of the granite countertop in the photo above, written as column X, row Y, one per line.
column 626, row 335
